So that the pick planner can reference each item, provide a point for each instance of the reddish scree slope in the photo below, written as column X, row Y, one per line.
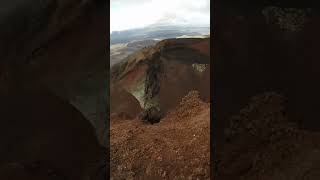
column 177, row 147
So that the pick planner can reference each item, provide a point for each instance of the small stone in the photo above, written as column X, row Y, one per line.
column 159, row 158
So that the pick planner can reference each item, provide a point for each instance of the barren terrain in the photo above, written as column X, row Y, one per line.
column 173, row 77
column 175, row 148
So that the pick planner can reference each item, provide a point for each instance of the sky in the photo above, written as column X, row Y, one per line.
column 129, row 14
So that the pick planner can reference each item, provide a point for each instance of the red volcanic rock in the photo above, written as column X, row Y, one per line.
column 163, row 74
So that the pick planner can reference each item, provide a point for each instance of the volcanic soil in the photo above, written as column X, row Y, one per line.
column 176, row 148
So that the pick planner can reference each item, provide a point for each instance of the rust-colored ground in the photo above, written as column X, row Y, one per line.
column 176, row 148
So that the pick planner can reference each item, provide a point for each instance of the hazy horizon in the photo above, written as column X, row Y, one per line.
column 128, row 14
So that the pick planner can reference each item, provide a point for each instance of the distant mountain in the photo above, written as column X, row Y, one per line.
column 157, row 31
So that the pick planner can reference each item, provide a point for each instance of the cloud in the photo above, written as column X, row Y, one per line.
column 128, row 14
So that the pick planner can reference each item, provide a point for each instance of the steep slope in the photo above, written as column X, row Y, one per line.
column 158, row 77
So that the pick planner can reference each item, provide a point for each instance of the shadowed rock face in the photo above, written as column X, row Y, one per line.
column 152, row 114
column 158, row 77
column 39, row 126
column 74, row 67
column 41, row 42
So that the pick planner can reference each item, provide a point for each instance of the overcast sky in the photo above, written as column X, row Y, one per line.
column 128, row 14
